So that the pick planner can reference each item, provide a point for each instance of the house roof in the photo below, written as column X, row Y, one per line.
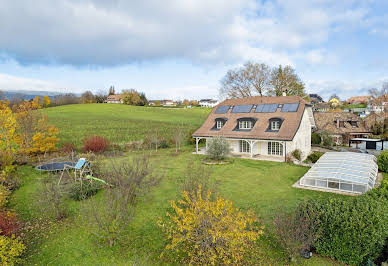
column 359, row 99
column 115, row 97
column 328, row 122
column 287, row 131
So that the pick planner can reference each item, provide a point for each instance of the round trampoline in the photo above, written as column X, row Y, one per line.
column 59, row 166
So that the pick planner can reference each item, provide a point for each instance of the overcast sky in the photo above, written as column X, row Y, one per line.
column 182, row 48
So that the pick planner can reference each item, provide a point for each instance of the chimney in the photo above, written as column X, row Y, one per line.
column 284, row 91
column 338, row 123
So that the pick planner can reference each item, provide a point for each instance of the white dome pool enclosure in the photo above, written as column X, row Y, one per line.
column 342, row 171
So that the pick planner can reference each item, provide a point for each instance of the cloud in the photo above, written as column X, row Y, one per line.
column 99, row 32
column 10, row 83
column 343, row 88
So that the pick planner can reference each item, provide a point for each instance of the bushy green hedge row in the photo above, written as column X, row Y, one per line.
column 352, row 230
column 382, row 161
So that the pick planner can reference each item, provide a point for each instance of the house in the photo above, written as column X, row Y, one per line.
column 115, row 98
column 208, row 103
column 341, row 125
column 261, row 127
column 321, row 107
column 167, row 103
column 359, row 99
column 315, row 98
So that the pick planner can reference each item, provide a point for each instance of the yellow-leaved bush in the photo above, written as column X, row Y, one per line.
column 205, row 231
column 11, row 249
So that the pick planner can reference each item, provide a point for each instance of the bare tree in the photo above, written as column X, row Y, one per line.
column 88, row 97
column 251, row 79
column 286, row 78
column 177, row 138
column 129, row 181
column 379, row 95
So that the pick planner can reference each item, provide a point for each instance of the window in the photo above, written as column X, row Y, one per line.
column 275, row 148
column 220, row 124
column 275, row 125
column 244, row 146
column 244, row 124
column 354, row 123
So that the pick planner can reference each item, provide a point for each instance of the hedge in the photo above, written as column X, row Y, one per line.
column 351, row 230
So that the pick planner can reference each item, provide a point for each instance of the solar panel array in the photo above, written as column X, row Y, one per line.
column 290, row 107
column 266, row 108
column 223, row 109
column 242, row 108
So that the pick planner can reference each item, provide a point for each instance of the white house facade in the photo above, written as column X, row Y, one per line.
column 261, row 127
column 208, row 103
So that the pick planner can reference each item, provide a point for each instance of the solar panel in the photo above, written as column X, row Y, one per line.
column 290, row 107
column 242, row 108
column 266, row 108
column 222, row 109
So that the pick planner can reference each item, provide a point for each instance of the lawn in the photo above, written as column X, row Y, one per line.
column 121, row 123
column 261, row 186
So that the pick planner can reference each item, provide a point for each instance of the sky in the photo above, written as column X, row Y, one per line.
column 182, row 48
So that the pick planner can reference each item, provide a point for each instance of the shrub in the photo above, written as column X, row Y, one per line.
column 297, row 154
column 295, row 231
column 4, row 193
column 315, row 138
column 8, row 223
column 218, row 148
column 314, row 156
column 196, row 175
column 129, row 181
column 351, row 230
column 327, row 140
column 51, row 198
column 382, row 161
column 201, row 231
column 10, row 250
column 95, row 144
column 68, row 147
column 84, row 190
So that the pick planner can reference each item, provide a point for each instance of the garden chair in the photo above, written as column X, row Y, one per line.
column 81, row 168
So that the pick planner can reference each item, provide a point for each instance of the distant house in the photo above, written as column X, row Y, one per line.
column 261, row 127
column 341, row 125
column 162, row 103
column 359, row 99
column 114, row 99
column 208, row 103
column 321, row 107
column 315, row 98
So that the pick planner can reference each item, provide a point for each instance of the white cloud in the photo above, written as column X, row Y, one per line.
column 99, row 32
column 10, row 83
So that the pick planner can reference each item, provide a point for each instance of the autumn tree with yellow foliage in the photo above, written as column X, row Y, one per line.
column 204, row 231
column 46, row 101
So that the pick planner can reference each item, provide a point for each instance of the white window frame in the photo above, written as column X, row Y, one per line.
column 275, row 148
column 275, row 125
column 245, row 147
column 245, row 124
column 220, row 124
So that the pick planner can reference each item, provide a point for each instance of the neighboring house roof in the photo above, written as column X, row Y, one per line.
column 359, row 99
column 373, row 118
column 115, row 97
column 339, row 123
column 287, row 131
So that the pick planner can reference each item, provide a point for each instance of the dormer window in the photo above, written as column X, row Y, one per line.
column 220, row 124
column 275, row 125
column 245, row 124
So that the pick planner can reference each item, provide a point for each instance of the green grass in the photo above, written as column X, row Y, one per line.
column 120, row 123
column 260, row 186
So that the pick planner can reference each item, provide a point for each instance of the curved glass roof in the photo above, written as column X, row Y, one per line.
column 334, row 169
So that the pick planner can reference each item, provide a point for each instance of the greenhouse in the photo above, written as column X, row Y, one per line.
column 342, row 171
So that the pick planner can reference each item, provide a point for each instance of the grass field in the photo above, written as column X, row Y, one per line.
column 121, row 123
column 261, row 186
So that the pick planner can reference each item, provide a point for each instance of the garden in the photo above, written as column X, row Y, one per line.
column 160, row 204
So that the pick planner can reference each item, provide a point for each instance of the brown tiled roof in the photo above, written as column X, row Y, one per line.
column 287, row 130
column 115, row 97
column 359, row 99
column 328, row 122
column 373, row 118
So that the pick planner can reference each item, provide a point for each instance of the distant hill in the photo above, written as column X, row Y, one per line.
column 28, row 95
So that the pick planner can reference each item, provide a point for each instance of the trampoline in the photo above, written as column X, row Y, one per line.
column 54, row 167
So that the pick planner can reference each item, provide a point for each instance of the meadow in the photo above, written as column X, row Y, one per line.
column 121, row 123
column 261, row 186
